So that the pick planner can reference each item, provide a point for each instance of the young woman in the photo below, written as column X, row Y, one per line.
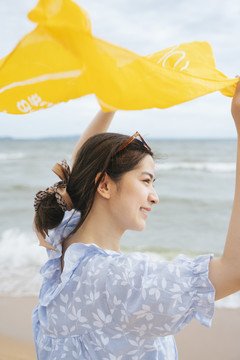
column 97, row 303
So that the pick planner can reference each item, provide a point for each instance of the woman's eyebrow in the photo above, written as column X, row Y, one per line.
column 149, row 174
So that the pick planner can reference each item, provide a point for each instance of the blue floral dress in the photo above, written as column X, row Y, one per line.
column 113, row 306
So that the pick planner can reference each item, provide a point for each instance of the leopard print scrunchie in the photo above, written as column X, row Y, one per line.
column 59, row 189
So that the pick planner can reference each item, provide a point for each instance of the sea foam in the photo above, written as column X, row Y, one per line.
column 213, row 167
column 20, row 262
column 11, row 156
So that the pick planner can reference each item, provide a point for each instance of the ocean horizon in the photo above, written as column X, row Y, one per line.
column 69, row 137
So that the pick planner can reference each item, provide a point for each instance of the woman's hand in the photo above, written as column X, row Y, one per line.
column 236, row 107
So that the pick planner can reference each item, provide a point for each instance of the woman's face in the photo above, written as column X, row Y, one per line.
column 134, row 196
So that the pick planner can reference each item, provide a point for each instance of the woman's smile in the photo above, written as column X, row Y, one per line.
column 145, row 211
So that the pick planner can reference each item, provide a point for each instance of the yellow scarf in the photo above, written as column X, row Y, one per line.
column 61, row 60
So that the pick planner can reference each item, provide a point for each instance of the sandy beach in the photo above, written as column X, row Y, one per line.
column 220, row 342
column 16, row 339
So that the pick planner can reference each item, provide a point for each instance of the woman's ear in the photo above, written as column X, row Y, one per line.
column 104, row 187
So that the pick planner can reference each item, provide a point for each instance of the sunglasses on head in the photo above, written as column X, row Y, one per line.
column 130, row 139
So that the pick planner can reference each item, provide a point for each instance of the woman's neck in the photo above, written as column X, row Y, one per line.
column 98, row 228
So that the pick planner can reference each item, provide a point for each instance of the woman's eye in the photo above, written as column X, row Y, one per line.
column 147, row 181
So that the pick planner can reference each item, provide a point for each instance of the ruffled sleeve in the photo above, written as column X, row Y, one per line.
column 156, row 298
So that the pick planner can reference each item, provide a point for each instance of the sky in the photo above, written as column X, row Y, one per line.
column 143, row 27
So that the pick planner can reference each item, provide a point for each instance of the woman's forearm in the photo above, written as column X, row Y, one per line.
column 232, row 247
column 228, row 278
column 99, row 124
column 225, row 272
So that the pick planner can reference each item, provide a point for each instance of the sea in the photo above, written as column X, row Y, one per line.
column 195, row 182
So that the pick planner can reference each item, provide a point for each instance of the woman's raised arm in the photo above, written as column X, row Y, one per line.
column 99, row 124
column 224, row 273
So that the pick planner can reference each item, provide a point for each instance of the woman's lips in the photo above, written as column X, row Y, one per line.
column 145, row 210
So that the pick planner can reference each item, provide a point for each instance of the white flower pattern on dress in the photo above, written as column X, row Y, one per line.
column 112, row 306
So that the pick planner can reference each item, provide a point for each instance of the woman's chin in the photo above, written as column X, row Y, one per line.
column 140, row 227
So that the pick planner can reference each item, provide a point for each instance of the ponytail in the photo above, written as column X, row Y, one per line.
column 51, row 203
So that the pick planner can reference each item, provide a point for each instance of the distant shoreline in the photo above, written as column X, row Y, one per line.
column 76, row 137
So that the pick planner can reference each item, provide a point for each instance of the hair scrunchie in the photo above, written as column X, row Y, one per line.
column 59, row 189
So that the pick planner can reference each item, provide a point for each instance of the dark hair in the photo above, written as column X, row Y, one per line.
column 97, row 155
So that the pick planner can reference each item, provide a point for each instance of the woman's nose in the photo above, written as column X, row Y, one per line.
column 154, row 199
